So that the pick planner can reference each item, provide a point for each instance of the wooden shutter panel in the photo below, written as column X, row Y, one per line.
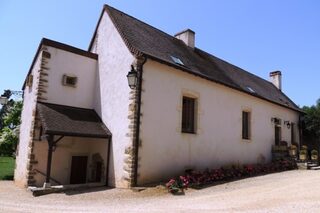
column 245, row 125
column 188, row 115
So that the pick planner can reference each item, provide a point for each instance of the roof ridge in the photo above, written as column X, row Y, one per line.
column 108, row 7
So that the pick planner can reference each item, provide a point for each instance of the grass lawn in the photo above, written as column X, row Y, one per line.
column 6, row 168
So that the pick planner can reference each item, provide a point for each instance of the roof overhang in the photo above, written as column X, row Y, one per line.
column 71, row 121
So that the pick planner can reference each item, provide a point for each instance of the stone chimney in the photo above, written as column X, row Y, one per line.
column 187, row 36
column 275, row 78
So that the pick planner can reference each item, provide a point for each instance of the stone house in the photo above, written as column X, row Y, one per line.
column 183, row 109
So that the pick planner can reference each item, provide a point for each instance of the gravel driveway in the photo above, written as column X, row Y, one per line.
column 292, row 191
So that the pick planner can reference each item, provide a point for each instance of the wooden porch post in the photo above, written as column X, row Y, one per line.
column 50, row 149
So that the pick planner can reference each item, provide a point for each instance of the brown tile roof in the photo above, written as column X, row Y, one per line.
column 143, row 39
column 71, row 121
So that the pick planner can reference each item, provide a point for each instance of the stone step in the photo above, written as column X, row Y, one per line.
column 138, row 189
column 315, row 168
column 31, row 182
column 302, row 165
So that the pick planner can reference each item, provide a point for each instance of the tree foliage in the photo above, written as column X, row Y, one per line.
column 311, row 127
column 10, row 115
column 4, row 108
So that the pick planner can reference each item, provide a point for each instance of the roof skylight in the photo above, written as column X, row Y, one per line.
column 251, row 90
column 176, row 60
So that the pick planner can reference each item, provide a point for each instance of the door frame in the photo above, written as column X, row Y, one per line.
column 70, row 164
column 275, row 134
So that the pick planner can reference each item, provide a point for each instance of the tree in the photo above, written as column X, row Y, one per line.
column 311, row 127
column 10, row 115
column 7, row 93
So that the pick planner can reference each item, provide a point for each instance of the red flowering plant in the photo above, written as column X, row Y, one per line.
column 198, row 179
column 178, row 184
column 173, row 186
column 249, row 170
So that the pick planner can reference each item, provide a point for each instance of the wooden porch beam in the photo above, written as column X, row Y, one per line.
column 50, row 149
column 51, row 144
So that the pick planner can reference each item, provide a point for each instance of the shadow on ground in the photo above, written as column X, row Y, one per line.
column 85, row 190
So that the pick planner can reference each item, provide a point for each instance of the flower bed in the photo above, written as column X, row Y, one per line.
column 197, row 179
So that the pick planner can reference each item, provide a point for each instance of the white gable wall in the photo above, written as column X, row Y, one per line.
column 112, row 96
column 84, row 68
column 47, row 87
column 26, row 127
column 166, row 152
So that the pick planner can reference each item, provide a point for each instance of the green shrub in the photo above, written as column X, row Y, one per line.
column 6, row 168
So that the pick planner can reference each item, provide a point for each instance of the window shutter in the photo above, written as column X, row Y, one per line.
column 245, row 125
column 188, row 115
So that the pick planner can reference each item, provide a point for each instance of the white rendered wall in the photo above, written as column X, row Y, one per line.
column 62, row 157
column 166, row 152
column 112, row 93
column 26, row 127
column 84, row 68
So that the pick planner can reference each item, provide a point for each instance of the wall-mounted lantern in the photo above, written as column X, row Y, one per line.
column 276, row 121
column 3, row 100
column 132, row 78
column 287, row 123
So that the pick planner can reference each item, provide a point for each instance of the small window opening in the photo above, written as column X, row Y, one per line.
column 69, row 81
column 30, row 80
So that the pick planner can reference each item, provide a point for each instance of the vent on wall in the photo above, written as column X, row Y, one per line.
column 70, row 81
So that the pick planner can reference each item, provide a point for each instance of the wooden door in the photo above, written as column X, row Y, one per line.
column 78, row 169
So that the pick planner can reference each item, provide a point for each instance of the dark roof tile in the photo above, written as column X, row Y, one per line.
column 143, row 39
column 71, row 121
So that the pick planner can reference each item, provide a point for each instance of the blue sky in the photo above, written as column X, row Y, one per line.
column 258, row 36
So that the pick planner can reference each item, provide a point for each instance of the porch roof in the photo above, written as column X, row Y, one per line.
column 71, row 121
